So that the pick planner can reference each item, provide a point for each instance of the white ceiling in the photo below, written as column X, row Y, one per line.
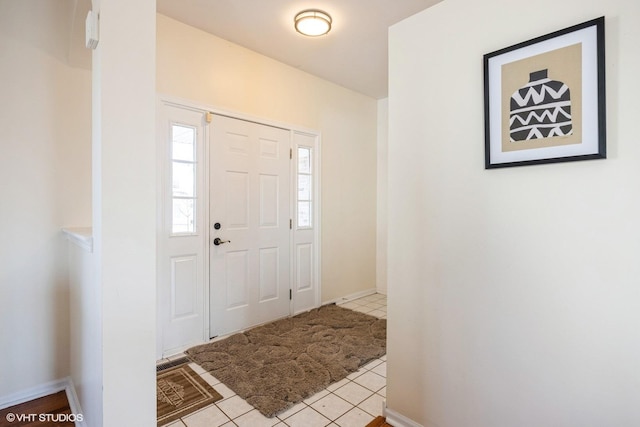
column 353, row 54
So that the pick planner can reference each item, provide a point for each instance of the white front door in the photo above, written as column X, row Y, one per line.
column 249, row 224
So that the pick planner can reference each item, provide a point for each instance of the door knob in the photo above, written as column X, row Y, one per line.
column 218, row 241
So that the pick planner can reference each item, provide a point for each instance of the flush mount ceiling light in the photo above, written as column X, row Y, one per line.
column 312, row 22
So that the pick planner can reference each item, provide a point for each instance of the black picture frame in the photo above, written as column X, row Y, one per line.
column 544, row 99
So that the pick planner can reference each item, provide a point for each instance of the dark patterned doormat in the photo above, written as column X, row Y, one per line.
column 181, row 391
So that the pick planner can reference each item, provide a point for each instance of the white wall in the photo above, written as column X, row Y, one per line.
column 382, row 195
column 124, row 208
column 199, row 67
column 513, row 293
column 85, row 333
column 45, row 184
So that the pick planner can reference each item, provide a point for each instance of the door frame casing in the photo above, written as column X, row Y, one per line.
column 167, row 100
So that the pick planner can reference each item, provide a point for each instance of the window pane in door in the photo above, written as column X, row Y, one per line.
column 183, row 143
column 304, row 214
column 183, row 216
column 183, row 175
column 304, row 160
column 304, row 187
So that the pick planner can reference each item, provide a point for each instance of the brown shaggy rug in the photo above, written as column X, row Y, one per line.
column 279, row 364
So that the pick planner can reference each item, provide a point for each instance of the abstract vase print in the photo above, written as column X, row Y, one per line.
column 540, row 109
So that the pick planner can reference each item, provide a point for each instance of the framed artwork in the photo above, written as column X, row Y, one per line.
column 544, row 99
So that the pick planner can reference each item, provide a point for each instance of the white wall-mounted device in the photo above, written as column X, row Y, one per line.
column 91, row 28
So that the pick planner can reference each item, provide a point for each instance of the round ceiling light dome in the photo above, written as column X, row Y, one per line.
column 312, row 22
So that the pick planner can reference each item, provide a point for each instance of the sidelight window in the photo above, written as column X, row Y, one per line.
column 183, row 179
column 305, row 188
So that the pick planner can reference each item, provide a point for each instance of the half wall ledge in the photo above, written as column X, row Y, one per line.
column 81, row 236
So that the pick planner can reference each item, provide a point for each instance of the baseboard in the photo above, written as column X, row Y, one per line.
column 46, row 389
column 74, row 404
column 398, row 420
column 33, row 393
column 351, row 297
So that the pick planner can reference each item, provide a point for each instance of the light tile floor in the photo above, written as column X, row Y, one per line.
column 351, row 402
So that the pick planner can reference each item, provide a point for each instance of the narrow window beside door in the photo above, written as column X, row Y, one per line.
column 183, row 178
column 305, row 182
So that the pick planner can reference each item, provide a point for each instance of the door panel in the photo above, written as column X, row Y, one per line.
column 269, row 197
column 182, row 234
column 269, row 277
column 236, row 279
column 237, row 198
column 304, row 264
column 184, row 279
column 250, row 198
